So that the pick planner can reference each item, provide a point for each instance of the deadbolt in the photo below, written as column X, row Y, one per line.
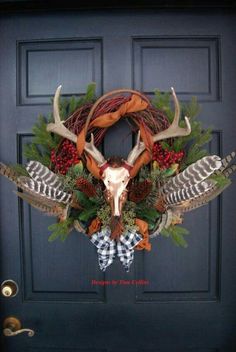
column 9, row 288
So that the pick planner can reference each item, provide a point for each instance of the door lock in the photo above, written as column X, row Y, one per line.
column 12, row 327
column 9, row 288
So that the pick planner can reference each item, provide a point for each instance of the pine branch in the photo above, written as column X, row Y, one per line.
column 31, row 151
column 42, row 136
column 176, row 233
column 161, row 101
column 221, row 180
column 60, row 230
column 43, row 141
column 19, row 169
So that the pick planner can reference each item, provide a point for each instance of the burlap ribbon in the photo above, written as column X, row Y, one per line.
column 135, row 104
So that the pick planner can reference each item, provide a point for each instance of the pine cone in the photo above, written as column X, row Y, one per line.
column 86, row 187
column 139, row 191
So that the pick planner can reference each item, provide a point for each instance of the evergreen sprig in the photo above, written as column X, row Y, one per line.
column 60, row 230
column 194, row 142
column 19, row 169
column 43, row 141
column 176, row 233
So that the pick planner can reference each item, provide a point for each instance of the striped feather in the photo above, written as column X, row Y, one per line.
column 78, row 227
column 41, row 173
column 225, row 162
column 201, row 200
column 229, row 170
column 165, row 222
column 44, row 190
column 185, row 194
column 207, row 196
column 193, row 174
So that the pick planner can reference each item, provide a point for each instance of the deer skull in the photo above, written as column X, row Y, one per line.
column 115, row 180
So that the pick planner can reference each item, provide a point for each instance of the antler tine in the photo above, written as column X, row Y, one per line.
column 58, row 126
column 94, row 152
column 174, row 130
column 136, row 151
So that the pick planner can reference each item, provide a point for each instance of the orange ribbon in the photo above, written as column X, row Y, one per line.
column 143, row 228
column 104, row 121
column 94, row 226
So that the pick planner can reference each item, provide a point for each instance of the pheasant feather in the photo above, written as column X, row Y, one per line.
column 165, row 222
column 193, row 174
column 9, row 173
column 189, row 193
column 200, row 201
column 229, row 170
column 207, row 196
column 226, row 161
column 50, row 210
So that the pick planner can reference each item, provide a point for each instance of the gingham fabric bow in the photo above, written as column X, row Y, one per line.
column 107, row 248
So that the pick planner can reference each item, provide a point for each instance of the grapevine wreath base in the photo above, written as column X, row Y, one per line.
column 120, row 204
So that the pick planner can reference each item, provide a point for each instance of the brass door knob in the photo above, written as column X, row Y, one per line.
column 9, row 288
column 12, row 327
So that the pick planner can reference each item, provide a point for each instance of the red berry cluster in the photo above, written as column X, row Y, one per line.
column 165, row 158
column 65, row 157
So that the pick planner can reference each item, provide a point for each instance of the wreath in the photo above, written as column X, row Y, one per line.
column 120, row 204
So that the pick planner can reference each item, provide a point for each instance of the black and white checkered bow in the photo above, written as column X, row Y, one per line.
column 107, row 248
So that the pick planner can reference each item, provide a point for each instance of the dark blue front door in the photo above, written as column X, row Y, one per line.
column 190, row 301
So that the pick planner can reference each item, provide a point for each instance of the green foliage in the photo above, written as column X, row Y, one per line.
column 32, row 152
column 60, row 230
column 193, row 143
column 150, row 215
column 90, row 206
column 88, row 213
column 129, row 216
column 84, row 201
column 69, row 105
column 43, row 141
column 19, row 169
column 192, row 108
column 161, row 101
column 74, row 172
column 221, row 180
column 176, row 233
column 104, row 214
column 42, row 136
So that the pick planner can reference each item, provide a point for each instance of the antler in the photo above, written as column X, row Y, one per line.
column 172, row 131
column 59, row 128
column 94, row 152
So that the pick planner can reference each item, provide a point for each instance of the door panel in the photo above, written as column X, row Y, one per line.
column 188, row 303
